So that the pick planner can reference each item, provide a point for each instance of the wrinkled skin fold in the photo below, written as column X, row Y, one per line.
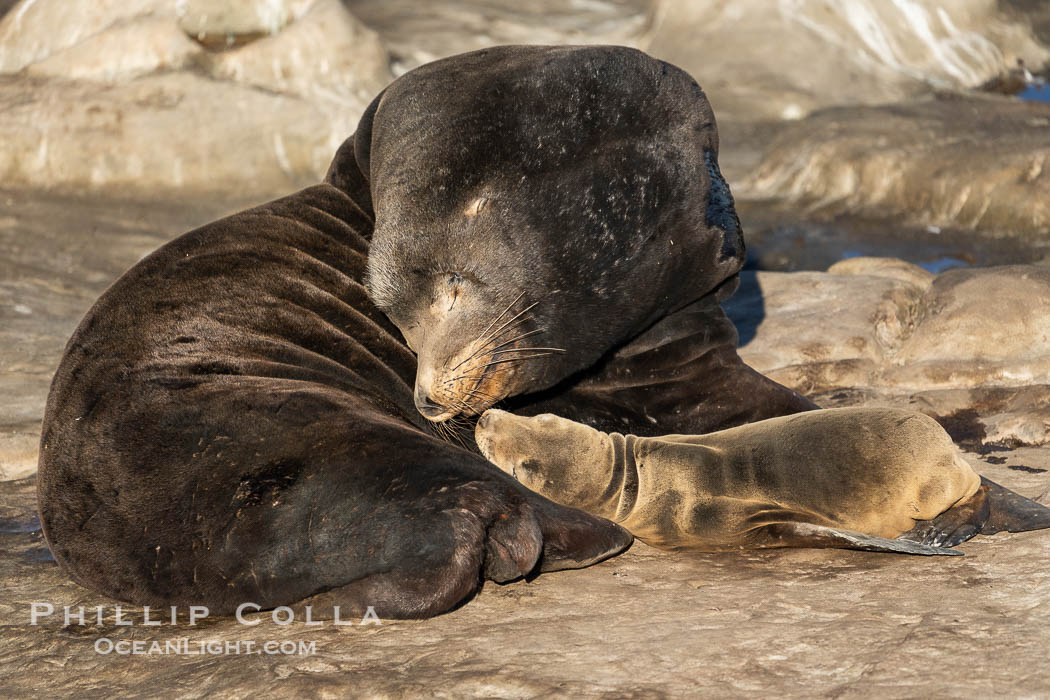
column 236, row 420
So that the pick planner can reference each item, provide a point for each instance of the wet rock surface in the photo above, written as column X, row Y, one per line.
column 786, row 237
column 791, row 623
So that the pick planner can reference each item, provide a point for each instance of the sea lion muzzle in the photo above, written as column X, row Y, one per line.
column 468, row 357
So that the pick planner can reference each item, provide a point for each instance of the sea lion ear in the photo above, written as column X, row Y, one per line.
column 349, row 170
column 362, row 138
column 721, row 214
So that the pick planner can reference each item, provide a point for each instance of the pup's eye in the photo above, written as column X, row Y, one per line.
column 454, row 279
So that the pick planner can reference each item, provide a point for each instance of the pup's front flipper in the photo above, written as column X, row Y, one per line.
column 806, row 535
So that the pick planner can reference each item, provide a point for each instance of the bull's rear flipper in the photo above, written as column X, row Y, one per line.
column 1012, row 512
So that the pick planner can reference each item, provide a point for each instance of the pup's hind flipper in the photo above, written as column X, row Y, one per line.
column 1011, row 511
column 992, row 509
column 806, row 535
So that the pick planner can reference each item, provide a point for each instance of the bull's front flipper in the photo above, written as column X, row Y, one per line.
column 496, row 534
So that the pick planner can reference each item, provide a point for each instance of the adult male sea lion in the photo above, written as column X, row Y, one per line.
column 855, row 478
column 235, row 419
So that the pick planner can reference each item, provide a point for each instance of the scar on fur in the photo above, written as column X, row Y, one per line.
column 475, row 207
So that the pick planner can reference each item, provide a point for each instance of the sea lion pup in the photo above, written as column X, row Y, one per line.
column 235, row 419
column 855, row 478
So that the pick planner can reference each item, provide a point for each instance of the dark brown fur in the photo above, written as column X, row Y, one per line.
column 581, row 193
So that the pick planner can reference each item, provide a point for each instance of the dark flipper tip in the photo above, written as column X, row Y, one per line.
column 869, row 543
column 1011, row 511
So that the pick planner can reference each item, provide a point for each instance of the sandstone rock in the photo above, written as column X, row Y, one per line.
column 416, row 32
column 778, row 623
column 814, row 330
column 884, row 267
column 325, row 56
column 979, row 327
column 757, row 59
column 975, row 163
column 858, row 51
column 970, row 346
column 1036, row 12
column 166, row 130
column 130, row 48
column 35, row 29
column 266, row 117
column 231, row 22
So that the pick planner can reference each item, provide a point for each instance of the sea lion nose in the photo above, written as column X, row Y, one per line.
column 427, row 407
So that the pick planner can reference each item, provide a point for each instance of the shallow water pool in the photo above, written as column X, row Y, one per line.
column 1037, row 93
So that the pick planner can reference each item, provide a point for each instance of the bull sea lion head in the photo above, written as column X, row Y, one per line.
column 535, row 208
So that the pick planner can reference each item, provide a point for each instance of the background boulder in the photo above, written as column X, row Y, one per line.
column 977, row 163
column 969, row 346
column 233, row 96
column 759, row 59
column 314, row 61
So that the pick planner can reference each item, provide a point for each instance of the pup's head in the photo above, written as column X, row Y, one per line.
column 535, row 208
column 564, row 460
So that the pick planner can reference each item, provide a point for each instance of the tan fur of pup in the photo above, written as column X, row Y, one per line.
column 874, row 471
